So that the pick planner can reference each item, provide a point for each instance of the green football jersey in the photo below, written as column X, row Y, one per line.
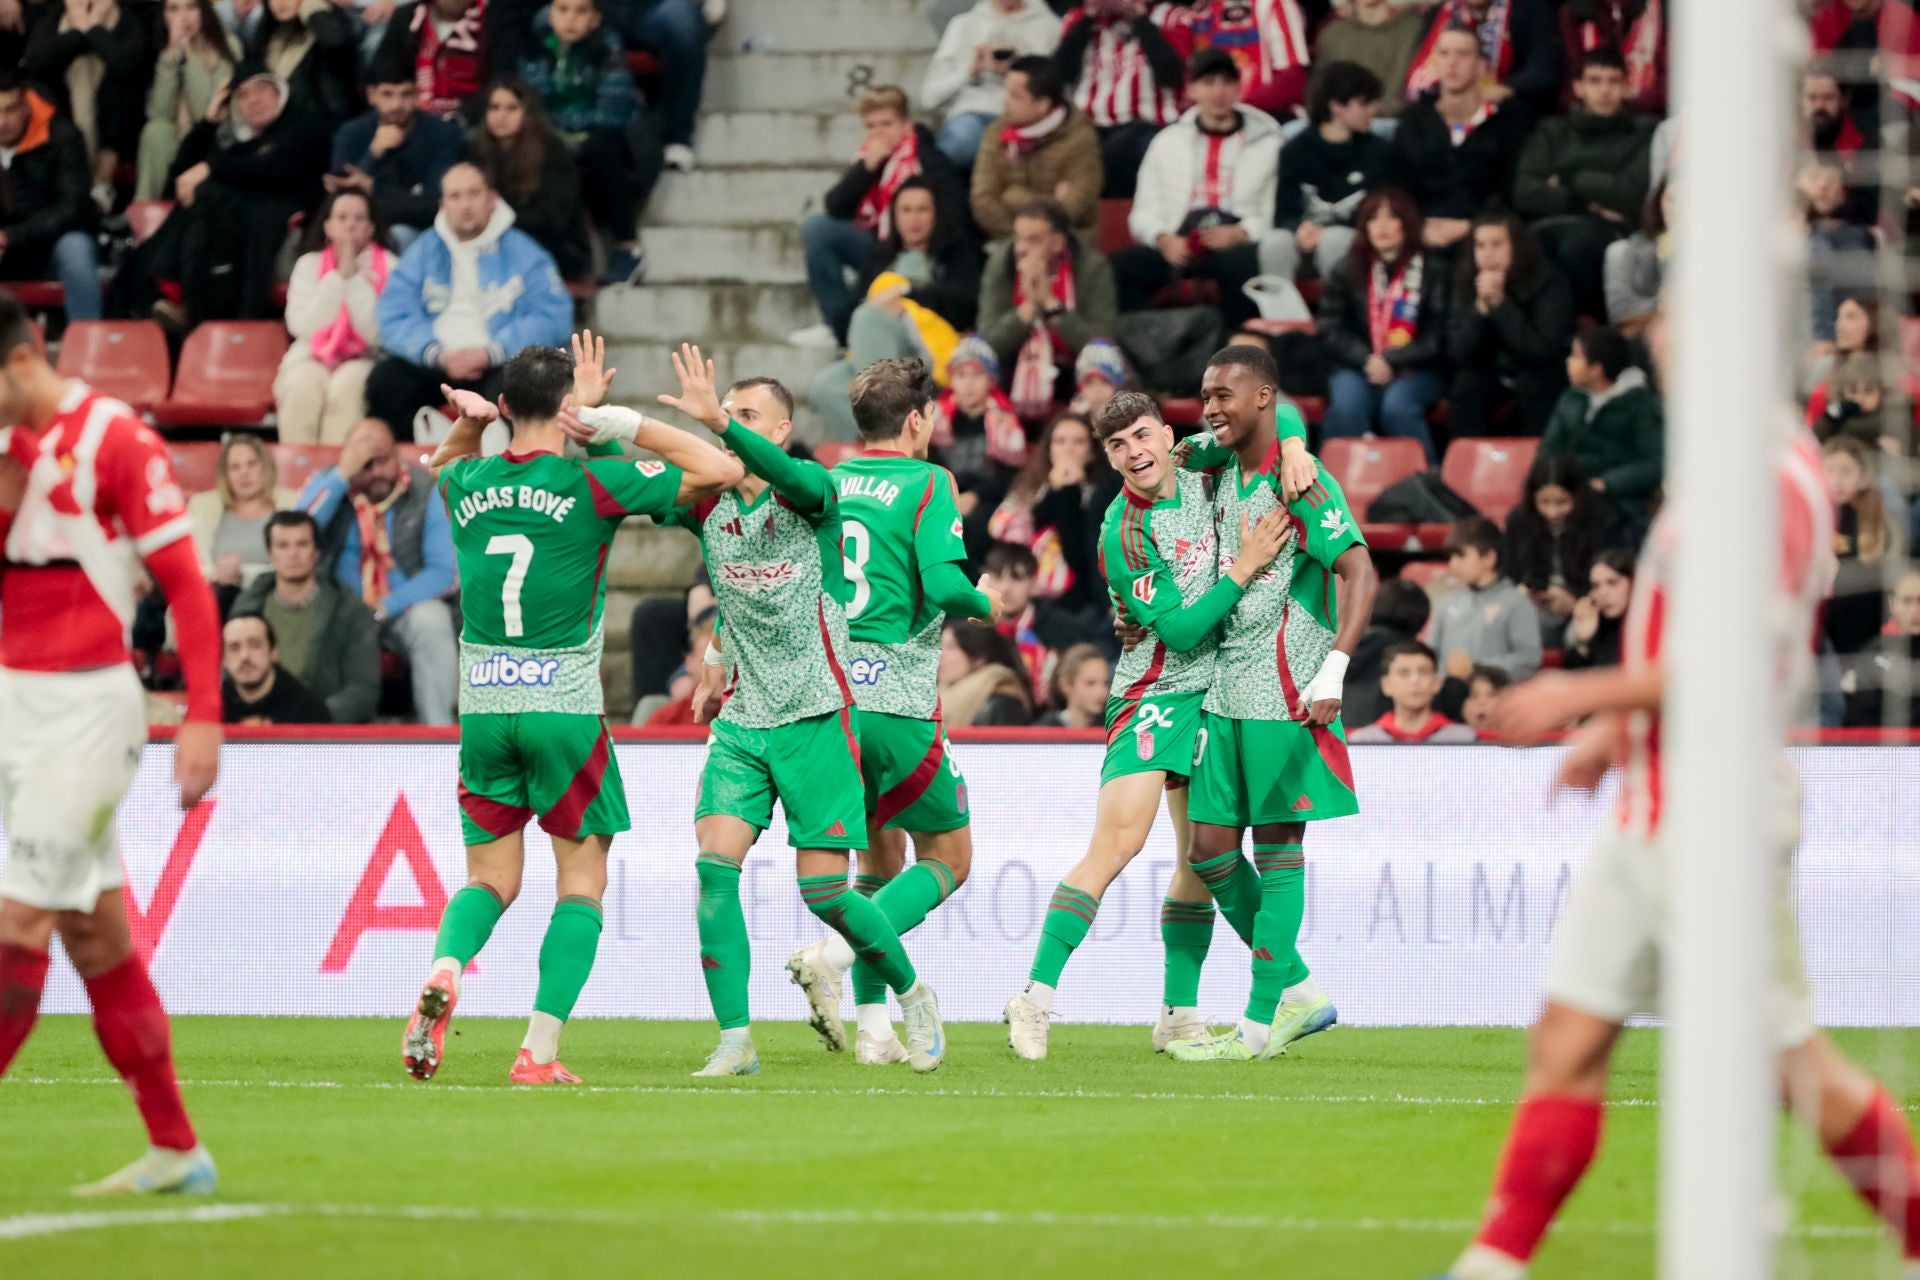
column 1159, row 558
column 531, row 534
column 777, row 576
column 1282, row 630
column 898, row 517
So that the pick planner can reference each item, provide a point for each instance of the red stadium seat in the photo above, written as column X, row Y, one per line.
column 1423, row 573
column 1181, row 411
column 1365, row 467
column 145, row 216
column 834, row 452
column 225, row 376
column 295, row 463
column 1489, row 473
column 644, row 64
column 1112, row 234
column 125, row 359
column 196, row 466
column 37, row 295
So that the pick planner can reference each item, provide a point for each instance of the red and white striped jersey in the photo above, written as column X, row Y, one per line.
column 100, row 495
column 1116, row 85
column 1803, row 579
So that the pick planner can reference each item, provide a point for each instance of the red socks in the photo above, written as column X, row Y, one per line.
column 23, row 974
column 134, row 1034
column 1552, row 1142
column 1878, row 1159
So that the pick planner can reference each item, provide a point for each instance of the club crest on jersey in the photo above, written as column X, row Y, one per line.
column 505, row 669
column 757, row 577
column 866, row 670
column 649, row 468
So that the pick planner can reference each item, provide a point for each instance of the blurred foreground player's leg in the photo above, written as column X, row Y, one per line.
column 86, row 494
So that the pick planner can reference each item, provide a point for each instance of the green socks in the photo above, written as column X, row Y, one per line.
column 1186, row 930
column 725, row 955
column 1276, row 931
column 905, row 900
column 862, row 923
column 566, row 955
column 467, row 923
column 1069, row 916
column 1236, row 887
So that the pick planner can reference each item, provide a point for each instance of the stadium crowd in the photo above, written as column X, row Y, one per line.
column 1446, row 219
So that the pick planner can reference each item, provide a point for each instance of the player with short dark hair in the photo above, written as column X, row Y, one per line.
column 1158, row 551
column 531, row 529
column 901, row 540
column 790, row 730
column 1271, row 753
column 87, row 496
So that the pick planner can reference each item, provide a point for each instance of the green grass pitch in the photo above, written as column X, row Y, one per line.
column 1363, row 1155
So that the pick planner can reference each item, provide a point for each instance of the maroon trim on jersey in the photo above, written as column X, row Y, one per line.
column 1334, row 752
column 605, row 505
column 704, row 508
column 570, row 810
column 496, row 819
column 1137, row 690
column 600, row 573
column 898, row 799
column 925, row 499
column 880, row 453
column 519, row 458
column 833, row 659
column 1287, row 688
column 1270, row 460
column 853, row 739
column 1136, row 500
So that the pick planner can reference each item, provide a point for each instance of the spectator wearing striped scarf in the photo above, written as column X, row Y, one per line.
column 1521, row 42
column 1125, row 74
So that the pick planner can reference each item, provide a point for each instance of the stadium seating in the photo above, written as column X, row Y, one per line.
column 1426, row 573
column 295, row 463
column 196, row 465
column 225, row 376
column 1489, row 473
column 38, row 295
column 1111, row 234
column 1365, row 467
column 125, row 359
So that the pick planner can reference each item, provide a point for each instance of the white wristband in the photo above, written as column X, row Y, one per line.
column 1328, row 683
column 613, row 422
column 714, row 658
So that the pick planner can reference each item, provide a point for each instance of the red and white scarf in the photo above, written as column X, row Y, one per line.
column 876, row 207
column 376, row 551
column 447, row 70
column 1264, row 37
column 1393, row 303
column 1036, row 369
column 1022, row 140
column 1639, row 44
column 1116, row 84
column 1496, row 43
column 1462, row 131
column 338, row 341
column 1006, row 438
column 1213, row 169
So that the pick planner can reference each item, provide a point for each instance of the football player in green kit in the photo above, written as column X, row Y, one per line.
column 901, row 542
column 531, row 529
column 1159, row 552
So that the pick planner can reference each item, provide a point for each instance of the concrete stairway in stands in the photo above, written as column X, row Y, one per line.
column 723, row 242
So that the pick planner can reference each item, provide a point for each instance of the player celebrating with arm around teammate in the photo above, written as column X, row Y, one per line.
column 531, row 529
column 901, row 541
column 1271, row 753
column 1160, row 556
column 91, row 496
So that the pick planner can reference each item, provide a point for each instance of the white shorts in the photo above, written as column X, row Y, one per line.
column 1607, row 958
column 70, row 743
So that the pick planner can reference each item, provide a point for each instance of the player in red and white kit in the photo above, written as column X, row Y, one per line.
column 86, row 495
column 1607, row 959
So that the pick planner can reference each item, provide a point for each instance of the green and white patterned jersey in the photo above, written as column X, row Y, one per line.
column 531, row 534
column 776, row 574
column 1160, row 557
column 1282, row 630
column 899, row 517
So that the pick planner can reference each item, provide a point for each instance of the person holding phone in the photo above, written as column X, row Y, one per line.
column 967, row 79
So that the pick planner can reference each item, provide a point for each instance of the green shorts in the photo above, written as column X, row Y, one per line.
column 1152, row 735
column 811, row 766
column 913, row 780
column 1249, row 773
column 558, row 766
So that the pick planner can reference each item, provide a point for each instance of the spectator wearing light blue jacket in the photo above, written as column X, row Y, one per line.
column 465, row 298
column 385, row 535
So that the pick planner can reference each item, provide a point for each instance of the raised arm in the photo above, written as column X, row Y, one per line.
column 463, row 441
column 805, row 484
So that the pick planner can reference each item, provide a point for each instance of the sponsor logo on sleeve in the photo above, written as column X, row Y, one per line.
column 1143, row 588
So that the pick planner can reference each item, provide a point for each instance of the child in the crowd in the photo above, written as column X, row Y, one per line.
column 976, row 434
column 1411, row 681
column 1081, row 683
column 1492, row 621
column 1600, row 617
column 1483, row 690
column 1011, row 570
column 579, row 69
column 1100, row 371
column 1552, row 537
column 1400, row 612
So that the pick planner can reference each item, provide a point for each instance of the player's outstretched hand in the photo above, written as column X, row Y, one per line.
column 196, row 760
column 706, row 694
column 471, row 404
column 1530, row 711
column 1590, row 753
column 591, row 377
column 1298, row 472
column 699, row 397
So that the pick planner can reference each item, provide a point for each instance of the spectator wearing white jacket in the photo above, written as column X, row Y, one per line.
column 967, row 79
column 1205, row 196
column 320, row 391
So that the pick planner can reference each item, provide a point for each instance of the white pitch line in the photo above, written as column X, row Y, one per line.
column 30, row 1226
